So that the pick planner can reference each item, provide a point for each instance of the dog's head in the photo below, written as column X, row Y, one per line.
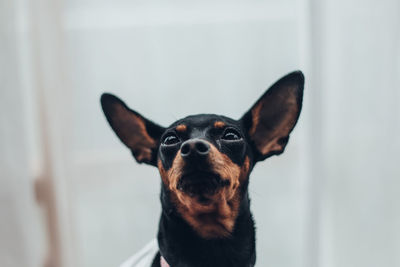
column 205, row 160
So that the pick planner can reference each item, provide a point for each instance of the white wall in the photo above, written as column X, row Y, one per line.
column 21, row 233
column 360, row 133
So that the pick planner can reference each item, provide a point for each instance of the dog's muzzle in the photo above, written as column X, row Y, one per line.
column 198, row 178
column 195, row 150
column 201, row 183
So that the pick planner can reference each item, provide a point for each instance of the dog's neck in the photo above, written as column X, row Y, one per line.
column 181, row 246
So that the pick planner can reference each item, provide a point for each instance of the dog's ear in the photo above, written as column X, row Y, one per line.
column 271, row 119
column 140, row 135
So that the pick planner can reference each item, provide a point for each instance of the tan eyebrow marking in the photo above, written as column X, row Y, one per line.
column 181, row 128
column 219, row 124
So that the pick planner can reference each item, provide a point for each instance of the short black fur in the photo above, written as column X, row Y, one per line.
column 263, row 131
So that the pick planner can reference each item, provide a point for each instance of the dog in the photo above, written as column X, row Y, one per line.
column 204, row 162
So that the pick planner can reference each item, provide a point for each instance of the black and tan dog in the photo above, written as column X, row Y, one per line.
column 205, row 161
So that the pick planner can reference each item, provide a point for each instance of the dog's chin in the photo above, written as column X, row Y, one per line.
column 201, row 186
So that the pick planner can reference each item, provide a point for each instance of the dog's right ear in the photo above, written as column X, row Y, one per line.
column 139, row 134
column 272, row 118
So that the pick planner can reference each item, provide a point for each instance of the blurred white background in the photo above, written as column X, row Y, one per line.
column 72, row 196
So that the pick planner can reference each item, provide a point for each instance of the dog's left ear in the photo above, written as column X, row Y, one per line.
column 139, row 134
column 272, row 118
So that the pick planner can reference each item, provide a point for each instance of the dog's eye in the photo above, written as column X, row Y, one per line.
column 170, row 139
column 231, row 134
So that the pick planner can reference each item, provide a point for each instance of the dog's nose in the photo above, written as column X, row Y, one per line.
column 194, row 147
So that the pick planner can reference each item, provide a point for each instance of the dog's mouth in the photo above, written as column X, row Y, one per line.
column 201, row 184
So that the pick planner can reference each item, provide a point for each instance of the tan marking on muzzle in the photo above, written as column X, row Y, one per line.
column 217, row 218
